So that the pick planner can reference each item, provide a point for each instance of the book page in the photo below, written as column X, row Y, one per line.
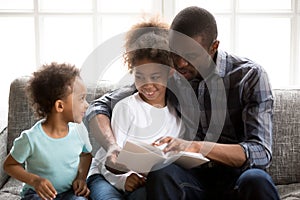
column 142, row 157
column 187, row 160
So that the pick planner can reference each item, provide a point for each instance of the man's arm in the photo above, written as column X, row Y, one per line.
column 97, row 118
column 97, row 121
column 229, row 154
column 258, row 114
column 256, row 149
column 101, row 129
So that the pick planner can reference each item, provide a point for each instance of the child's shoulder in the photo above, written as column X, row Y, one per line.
column 35, row 128
column 31, row 134
column 77, row 128
column 129, row 100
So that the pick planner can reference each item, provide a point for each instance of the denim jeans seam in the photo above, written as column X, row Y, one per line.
column 182, row 185
column 188, row 185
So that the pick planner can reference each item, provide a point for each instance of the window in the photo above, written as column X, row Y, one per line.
column 34, row 32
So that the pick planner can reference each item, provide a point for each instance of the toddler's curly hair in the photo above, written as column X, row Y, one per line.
column 48, row 84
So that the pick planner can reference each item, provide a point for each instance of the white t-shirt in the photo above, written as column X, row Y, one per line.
column 134, row 118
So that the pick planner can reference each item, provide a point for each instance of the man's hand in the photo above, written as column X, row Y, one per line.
column 44, row 188
column 133, row 182
column 176, row 144
column 80, row 188
column 111, row 160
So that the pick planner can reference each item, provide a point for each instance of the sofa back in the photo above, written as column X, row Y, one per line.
column 285, row 167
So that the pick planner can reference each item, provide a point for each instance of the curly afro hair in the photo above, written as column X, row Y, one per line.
column 51, row 82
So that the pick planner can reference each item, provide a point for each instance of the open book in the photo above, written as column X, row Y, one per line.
column 142, row 157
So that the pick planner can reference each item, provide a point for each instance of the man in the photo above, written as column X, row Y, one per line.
column 235, row 119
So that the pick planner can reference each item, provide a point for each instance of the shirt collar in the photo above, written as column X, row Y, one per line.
column 221, row 63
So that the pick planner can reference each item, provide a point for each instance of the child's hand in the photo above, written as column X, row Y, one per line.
column 111, row 160
column 133, row 182
column 80, row 188
column 44, row 188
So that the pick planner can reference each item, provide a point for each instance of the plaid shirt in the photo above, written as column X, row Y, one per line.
column 249, row 112
column 233, row 105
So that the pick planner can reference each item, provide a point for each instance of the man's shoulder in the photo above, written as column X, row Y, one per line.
column 238, row 60
column 233, row 63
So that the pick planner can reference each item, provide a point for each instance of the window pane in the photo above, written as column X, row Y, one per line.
column 211, row 5
column 65, row 5
column 224, row 32
column 16, row 5
column 115, row 71
column 265, row 4
column 261, row 40
column 124, row 23
column 66, row 39
column 126, row 6
column 17, row 52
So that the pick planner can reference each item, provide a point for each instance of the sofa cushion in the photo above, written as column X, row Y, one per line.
column 3, row 153
column 289, row 191
column 285, row 168
column 11, row 190
column 20, row 114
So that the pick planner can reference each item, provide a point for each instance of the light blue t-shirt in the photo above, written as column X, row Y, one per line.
column 54, row 159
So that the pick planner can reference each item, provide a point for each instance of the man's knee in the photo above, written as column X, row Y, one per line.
column 256, row 184
column 255, row 177
column 163, row 172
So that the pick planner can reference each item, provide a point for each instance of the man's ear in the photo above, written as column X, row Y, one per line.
column 59, row 105
column 214, row 47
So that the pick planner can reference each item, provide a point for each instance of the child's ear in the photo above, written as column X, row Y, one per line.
column 59, row 105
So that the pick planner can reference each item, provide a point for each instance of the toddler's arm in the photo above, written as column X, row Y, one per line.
column 42, row 186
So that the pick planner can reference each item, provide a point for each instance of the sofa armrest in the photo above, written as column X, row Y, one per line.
column 3, row 154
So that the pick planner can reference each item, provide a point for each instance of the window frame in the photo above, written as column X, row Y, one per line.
column 167, row 10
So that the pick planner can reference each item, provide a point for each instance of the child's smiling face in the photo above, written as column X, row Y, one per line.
column 151, row 80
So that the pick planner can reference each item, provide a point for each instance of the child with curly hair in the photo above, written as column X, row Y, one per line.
column 53, row 157
column 146, row 115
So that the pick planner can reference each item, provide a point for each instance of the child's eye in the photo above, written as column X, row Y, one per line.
column 82, row 98
column 138, row 77
column 154, row 78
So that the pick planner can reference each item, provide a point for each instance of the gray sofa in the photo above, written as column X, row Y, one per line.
column 285, row 167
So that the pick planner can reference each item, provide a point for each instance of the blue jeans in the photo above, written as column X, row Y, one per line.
column 30, row 194
column 101, row 189
column 215, row 183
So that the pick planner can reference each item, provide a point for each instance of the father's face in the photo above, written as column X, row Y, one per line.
column 190, row 58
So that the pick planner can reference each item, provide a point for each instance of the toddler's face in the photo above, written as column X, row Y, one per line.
column 76, row 104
